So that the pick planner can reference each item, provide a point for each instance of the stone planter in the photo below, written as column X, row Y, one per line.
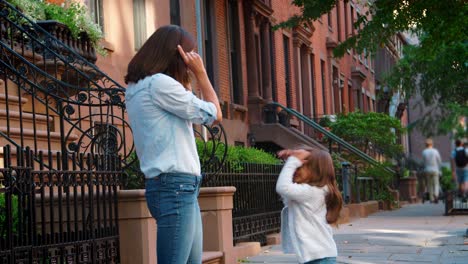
column 408, row 189
column 137, row 228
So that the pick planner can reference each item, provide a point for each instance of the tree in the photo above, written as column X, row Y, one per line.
column 378, row 131
column 436, row 68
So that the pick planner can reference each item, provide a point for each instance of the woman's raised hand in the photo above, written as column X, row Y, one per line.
column 193, row 61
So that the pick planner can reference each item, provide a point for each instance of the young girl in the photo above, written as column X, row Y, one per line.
column 308, row 187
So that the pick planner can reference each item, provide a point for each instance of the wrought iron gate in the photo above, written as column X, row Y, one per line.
column 59, row 216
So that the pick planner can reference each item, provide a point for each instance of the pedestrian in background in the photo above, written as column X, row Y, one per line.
column 313, row 202
column 459, row 164
column 432, row 163
column 162, row 108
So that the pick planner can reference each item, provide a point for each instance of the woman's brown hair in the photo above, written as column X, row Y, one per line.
column 159, row 54
column 318, row 171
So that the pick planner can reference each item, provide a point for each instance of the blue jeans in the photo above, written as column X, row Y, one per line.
column 172, row 201
column 322, row 261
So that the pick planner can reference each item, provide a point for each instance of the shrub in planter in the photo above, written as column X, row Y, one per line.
column 446, row 181
column 71, row 13
column 236, row 157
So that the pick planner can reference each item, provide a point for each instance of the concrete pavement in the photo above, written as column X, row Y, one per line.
column 417, row 233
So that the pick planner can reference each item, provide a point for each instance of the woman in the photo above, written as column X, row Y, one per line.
column 161, row 110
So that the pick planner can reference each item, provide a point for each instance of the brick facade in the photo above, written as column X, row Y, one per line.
column 318, row 84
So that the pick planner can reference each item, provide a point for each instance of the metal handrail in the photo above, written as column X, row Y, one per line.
column 333, row 137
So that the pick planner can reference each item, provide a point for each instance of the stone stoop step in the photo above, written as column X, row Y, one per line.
column 212, row 257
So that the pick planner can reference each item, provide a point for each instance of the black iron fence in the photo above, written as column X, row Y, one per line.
column 455, row 204
column 59, row 216
column 53, row 99
column 257, row 206
column 65, row 122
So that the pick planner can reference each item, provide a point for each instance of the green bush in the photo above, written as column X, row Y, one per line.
column 446, row 180
column 236, row 156
column 364, row 130
column 3, row 220
column 73, row 14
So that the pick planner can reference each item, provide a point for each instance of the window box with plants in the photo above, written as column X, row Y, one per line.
column 69, row 21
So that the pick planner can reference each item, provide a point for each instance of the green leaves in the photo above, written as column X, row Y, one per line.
column 72, row 14
column 370, row 130
column 237, row 154
column 436, row 68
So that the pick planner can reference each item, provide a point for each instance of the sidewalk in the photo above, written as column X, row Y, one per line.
column 413, row 234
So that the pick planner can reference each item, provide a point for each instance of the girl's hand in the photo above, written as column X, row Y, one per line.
column 193, row 61
column 300, row 154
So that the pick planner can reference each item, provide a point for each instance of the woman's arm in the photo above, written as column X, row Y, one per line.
column 195, row 63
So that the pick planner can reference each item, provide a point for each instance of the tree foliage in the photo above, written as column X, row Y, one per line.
column 436, row 67
column 371, row 130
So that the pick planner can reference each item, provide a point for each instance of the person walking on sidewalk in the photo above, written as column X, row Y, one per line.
column 459, row 164
column 313, row 202
column 161, row 108
column 432, row 162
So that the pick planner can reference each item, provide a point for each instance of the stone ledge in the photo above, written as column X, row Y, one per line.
column 363, row 209
column 273, row 239
column 246, row 249
column 344, row 216
column 212, row 257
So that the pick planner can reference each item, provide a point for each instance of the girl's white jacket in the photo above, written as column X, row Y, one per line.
column 304, row 228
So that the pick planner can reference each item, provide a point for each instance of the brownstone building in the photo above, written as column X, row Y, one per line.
column 249, row 63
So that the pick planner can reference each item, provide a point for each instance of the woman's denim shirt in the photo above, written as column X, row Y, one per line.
column 161, row 112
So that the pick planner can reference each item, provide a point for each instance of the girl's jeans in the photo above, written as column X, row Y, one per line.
column 172, row 201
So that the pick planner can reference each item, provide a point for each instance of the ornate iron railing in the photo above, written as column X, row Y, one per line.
column 54, row 99
column 66, row 122
column 60, row 97
column 333, row 143
column 257, row 206
column 455, row 204
column 59, row 216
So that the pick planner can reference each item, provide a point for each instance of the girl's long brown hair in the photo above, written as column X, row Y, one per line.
column 159, row 54
column 318, row 171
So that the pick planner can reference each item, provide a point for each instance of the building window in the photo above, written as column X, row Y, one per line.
column 329, row 17
column 352, row 20
column 139, row 23
column 338, row 24
column 95, row 8
column 346, row 17
column 342, row 103
column 312, row 84
column 358, row 99
column 336, row 90
column 175, row 12
column 235, row 55
column 287, row 71
column 273, row 64
column 208, row 39
column 324, row 97
column 259, row 65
